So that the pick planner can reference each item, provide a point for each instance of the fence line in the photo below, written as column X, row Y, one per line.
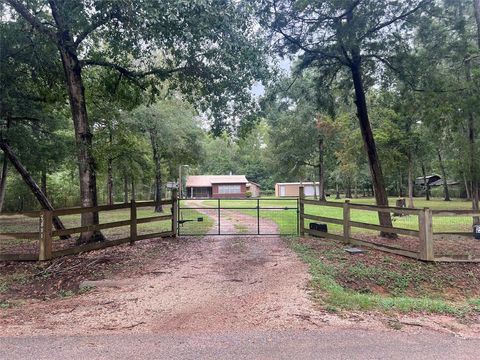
column 425, row 234
column 46, row 233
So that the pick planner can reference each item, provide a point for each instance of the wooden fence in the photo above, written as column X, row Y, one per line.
column 424, row 235
column 46, row 233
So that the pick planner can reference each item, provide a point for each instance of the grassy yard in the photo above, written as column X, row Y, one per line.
column 192, row 225
column 379, row 281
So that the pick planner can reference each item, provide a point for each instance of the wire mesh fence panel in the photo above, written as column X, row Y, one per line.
column 238, row 222
column 195, row 221
column 454, row 237
column 19, row 234
column 326, row 212
column 278, row 217
column 451, row 224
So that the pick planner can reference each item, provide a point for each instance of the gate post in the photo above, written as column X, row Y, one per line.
column 218, row 215
column 174, row 212
column 426, row 235
column 258, row 216
column 346, row 222
column 45, row 252
column 301, row 196
column 133, row 222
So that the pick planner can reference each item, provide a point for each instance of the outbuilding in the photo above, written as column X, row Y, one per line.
column 293, row 189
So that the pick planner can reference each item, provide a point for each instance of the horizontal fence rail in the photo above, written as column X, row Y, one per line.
column 46, row 234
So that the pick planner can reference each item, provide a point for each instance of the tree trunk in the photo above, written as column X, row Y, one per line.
column 83, row 139
column 400, row 186
column 338, row 191
column 125, row 189
column 110, row 199
column 134, row 197
column 369, row 143
column 4, row 174
column 472, row 162
column 109, row 182
column 476, row 7
column 27, row 178
column 3, row 181
column 410, row 182
column 467, row 187
column 446, row 192
column 427, row 186
column 43, row 182
column 158, row 173
column 315, row 190
column 321, row 169
column 348, row 191
column 473, row 167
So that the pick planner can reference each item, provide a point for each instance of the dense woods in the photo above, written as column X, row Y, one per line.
column 102, row 101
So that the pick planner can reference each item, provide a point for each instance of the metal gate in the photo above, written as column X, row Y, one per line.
column 238, row 217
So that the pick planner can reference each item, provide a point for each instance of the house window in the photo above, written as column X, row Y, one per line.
column 229, row 189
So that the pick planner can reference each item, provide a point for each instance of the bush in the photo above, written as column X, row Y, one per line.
column 248, row 194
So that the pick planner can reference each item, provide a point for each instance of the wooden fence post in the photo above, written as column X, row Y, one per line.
column 45, row 252
column 426, row 235
column 133, row 222
column 174, row 212
column 346, row 222
column 301, row 205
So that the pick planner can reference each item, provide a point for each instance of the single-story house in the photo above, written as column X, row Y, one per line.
column 293, row 189
column 216, row 186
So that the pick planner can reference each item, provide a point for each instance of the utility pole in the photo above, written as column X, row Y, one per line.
column 180, row 185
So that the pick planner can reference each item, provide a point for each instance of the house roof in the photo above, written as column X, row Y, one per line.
column 298, row 183
column 430, row 179
column 440, row 182
column 208, row 180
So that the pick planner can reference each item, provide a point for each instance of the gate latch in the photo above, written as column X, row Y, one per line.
column 199, row 219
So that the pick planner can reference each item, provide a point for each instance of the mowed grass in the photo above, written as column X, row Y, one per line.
column 193, row 222
column 287, row 219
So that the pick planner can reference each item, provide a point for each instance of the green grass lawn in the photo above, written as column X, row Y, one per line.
column 194, row 227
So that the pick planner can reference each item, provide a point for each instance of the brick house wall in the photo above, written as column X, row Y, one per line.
column 216, row 195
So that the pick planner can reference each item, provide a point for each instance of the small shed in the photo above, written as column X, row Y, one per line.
column 293, row 189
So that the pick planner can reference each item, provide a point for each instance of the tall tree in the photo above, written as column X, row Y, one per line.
column 350, row 35
column 214, row 66
column 174, row 134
